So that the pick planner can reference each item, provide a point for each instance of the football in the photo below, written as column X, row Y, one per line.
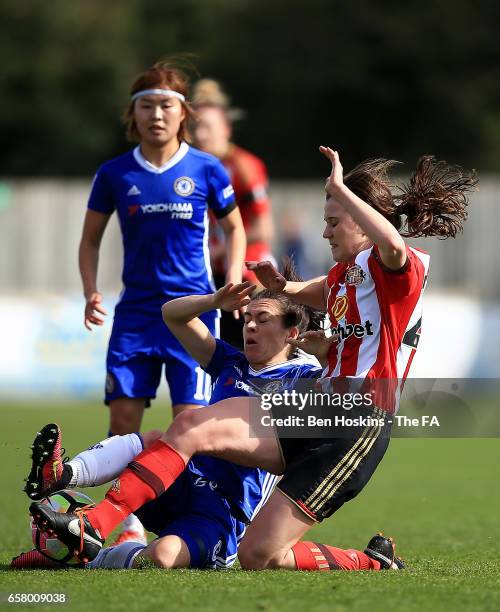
column 67, row 500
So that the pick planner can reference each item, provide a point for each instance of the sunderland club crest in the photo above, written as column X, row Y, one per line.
column 355, row 275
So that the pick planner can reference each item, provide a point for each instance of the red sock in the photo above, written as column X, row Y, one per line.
column 320, row 557
column 145, row 478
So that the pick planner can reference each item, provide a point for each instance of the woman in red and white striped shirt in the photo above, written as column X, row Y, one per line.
column 373, row 296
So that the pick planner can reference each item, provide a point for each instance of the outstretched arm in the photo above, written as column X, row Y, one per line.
column 311, row 292
column 378, row 229
column 182, row 317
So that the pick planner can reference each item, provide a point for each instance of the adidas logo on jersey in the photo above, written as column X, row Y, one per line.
column 134, row 190
column 353, row 329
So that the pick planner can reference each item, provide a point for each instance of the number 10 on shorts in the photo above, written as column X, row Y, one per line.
column 203, row 385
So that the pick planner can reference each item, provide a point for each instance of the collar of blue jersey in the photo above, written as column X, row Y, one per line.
column 302, row 359
column 175, row 159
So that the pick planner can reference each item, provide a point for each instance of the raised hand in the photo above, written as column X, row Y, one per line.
column 315, row 343
column 92, row 307
column 336, row 178
column 267, row 275
column 233, row 296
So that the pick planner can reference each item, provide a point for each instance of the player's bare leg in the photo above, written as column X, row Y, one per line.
column 126, row 415
column 169, row 552
column 231, row 430
column 274, row 540
column 178, row 408
column 269, row 538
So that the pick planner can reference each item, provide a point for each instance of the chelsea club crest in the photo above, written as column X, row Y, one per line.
column 275, row 386
column 184, row 186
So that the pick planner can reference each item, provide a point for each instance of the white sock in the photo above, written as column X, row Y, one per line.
column 132, row 523
column 104, row 461
column 117, row 557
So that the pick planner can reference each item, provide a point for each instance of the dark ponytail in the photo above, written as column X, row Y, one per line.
column 433, row 203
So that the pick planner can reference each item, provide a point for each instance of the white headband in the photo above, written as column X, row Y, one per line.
column 170, row 93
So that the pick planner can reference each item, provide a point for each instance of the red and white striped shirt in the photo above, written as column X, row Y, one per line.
column 377, row 313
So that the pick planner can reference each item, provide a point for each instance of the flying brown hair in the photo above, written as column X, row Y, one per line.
column 433, row 202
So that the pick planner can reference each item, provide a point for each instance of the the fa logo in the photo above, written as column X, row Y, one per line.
column 355, row 275
column 184, row 186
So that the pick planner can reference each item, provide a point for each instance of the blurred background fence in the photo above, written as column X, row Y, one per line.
column 41, row 222
column 372, row 79
column 46, row 353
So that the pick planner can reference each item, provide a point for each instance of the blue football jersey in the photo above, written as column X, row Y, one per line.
column 245, row 489
column 163, row 215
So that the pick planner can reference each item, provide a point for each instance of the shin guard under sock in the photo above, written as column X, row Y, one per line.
column 320, row 557
column 146, row 478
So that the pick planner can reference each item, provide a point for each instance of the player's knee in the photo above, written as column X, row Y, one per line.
column 166, row 554
column 257, row 557
column 188, row 428
column 183, row 424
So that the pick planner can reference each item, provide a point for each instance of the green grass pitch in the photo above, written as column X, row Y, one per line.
column 440, row 499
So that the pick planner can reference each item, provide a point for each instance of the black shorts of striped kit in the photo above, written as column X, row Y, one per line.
column 321, row 474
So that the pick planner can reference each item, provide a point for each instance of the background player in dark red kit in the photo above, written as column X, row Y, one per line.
column 213, row 131
column 363, row 222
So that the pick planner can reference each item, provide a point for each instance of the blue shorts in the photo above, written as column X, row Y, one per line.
column 139, row 347
column 192, row 510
